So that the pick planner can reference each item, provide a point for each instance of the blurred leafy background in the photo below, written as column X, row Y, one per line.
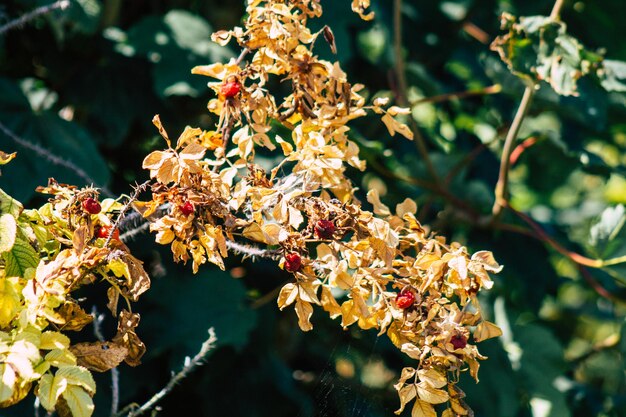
column 84, row 83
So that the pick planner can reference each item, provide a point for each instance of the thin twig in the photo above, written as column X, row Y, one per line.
column 597, row 287
column 115, row 374
column 501, row 192
column 492, row 89
column 476, row 32
column 576, row 257
column 21, row 21
column 556, row 10
column 138, row 190
column 190, row 365
column 402, row 88
column 52, row 158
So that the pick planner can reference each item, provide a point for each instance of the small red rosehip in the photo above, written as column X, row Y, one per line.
column 324, row 229
column 187, row 208
column 458, row 341
column 230, row 89
column 293, row 262
column 405, row 299
column 103, row 232
column 91, row 206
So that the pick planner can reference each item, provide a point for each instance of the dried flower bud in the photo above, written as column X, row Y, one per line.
column 293, row 262
column 187, row 208
column 104, row 231
column 324, row 229
column 458, row 341
column 230, row 89
column 405, row 299
column 91, row 206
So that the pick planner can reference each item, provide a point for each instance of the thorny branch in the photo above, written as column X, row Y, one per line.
column 190, row 366
column 138, row 190
column 50, row 157
column 21, row 21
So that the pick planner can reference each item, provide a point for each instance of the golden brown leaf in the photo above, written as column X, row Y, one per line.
column 99, row 356
column 74, row 316
column 423, row 409
column 127, row 337
column 486, row 330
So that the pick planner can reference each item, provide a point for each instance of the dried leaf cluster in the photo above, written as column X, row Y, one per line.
column 380, row 269
column 47, row 255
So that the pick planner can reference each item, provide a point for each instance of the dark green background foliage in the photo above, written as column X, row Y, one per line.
column 85, row 83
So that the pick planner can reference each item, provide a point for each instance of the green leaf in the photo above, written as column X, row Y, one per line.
column 613, row 75
column 56, row 137
column 538, row 48
column 542, row 363
column 603, row 233
column 8, row 232
column 174, row 43
column 21, row 257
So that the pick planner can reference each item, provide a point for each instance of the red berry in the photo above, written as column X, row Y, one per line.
column 324, row 229
column 458, row 341
column 230, row 89
column 91, row 206
column 187, row 208
column 103, row 232
column 405, row 299
column 293, row 262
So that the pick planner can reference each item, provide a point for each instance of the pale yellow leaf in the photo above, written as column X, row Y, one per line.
column 7, row 381
column 304, row 311
column 186, row 137
column 395, row 110
column 255, row 233
column 411, row 350
column 374, row 199
column 423, row 409
column 120, row 268
column 78, row 401
column 431, row 395
column 49, row 389
column 193, row 151
column 5, row 158
column 54, row 340
column 486, row 330
column 406, row 394
column 8, row 232
column 78, row 376
column 156, row 120
column 308, row 292
column 486, row 259
column 407, row 206
column 447, row 413
column 432, row 377
column 9, row 302
column 287, row 295
column 60, row 357
column 329, row 303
